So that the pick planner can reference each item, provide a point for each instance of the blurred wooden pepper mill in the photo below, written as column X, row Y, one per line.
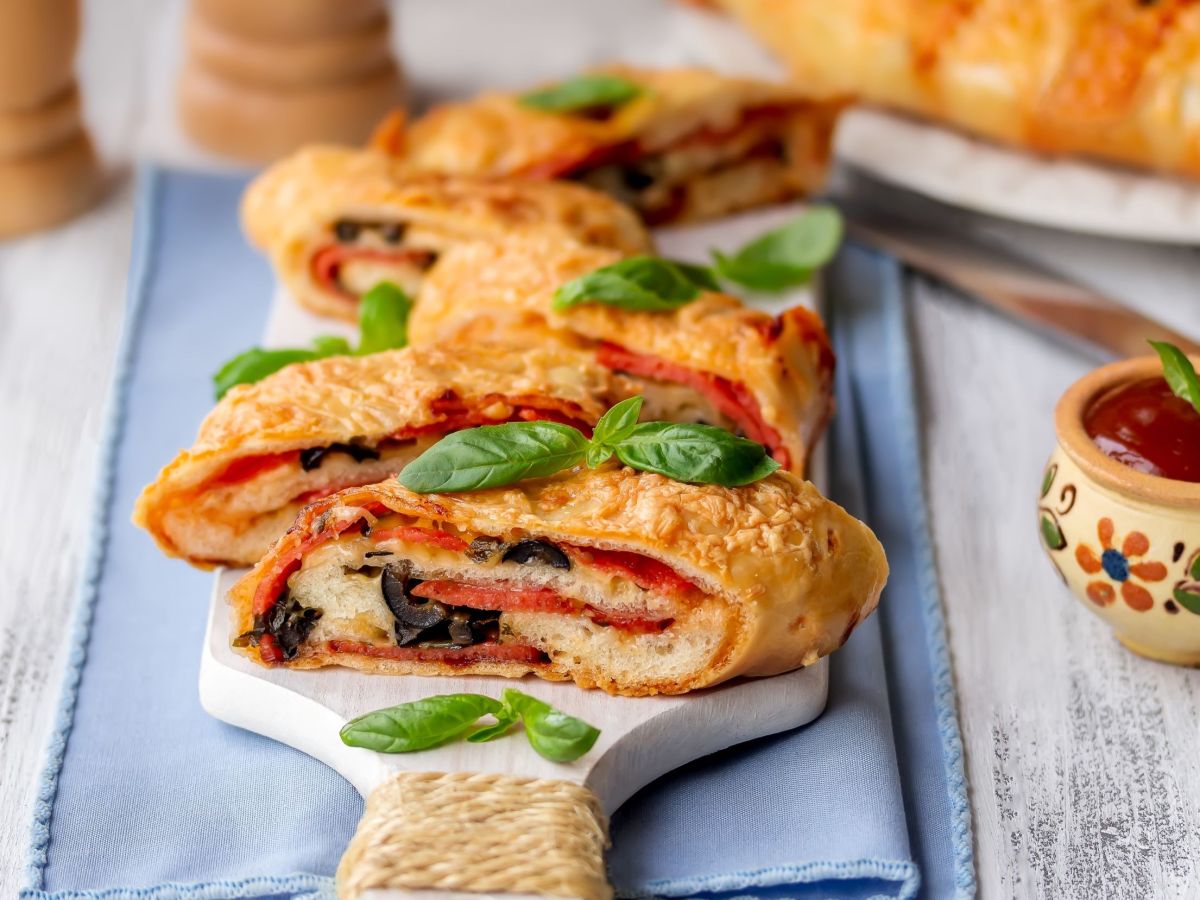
column 262, row 77
column 48, row 169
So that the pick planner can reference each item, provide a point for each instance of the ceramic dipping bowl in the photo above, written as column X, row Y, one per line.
column 1126, row 542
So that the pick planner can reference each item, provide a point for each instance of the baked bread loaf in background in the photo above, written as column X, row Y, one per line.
column 611, row 578
column 335, row 221
column 1116, row 80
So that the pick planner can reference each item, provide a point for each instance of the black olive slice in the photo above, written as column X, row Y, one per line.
column 526, row 552
column 346, row 231
column 484, row 548
column 289, row 623
column 392, row 232
column 372, row 554
column 414, row 612
column 313, row 457
column 459, row 627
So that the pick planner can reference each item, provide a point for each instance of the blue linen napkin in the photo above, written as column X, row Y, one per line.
column 146, row 796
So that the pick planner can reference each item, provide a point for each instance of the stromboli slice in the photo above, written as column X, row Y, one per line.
column 714, row 359
column 313, row 428
column 611, row 578
column 692, row 144
column 336, row 220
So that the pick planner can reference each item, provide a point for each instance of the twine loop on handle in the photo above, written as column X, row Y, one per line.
column 478, row 833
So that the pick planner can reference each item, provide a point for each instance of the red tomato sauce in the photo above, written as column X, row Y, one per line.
column 1146, row 427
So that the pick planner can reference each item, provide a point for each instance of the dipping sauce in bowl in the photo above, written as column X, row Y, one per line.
column 1143, row 425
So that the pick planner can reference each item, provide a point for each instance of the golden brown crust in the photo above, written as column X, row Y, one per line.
column 1110, row 80
column 793, row 571
column 289, row 211
column 367, row 398
column 506, row 287
column 493, row 134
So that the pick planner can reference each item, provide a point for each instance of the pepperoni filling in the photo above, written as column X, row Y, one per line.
column 440, row 620
column 327, row 263
column 730, row 398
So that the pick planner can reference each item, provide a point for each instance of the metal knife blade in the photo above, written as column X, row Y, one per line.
column 1016, row 287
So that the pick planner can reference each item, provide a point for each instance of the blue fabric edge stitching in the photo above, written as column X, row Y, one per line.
column 147, row 192
column 936, row 634
column 900, row 871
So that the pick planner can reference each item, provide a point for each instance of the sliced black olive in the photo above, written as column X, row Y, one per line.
column 290, row 624
column 371, row 554
column 484, row 548
column 526, row 552
column 412, row 611
column 392, row 232
column 346, row 231
column 313, row 457
column 636, row 179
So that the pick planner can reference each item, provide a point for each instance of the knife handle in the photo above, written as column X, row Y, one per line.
column 471, row 833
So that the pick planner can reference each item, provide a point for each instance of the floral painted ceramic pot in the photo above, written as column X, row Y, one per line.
column 1126, row 542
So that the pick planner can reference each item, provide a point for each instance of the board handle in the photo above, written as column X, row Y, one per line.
column 478, row 833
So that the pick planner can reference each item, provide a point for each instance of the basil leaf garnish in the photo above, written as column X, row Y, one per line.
column 616, row 424
column 596, row 92
column 494, row 455
column 698, row 454
column 382, row 324
column 505, row 720
column 383, row 319
column 553, row 734
column 418, row 725
column 256, row 364
column 786, row 256
column 1179, row 372
column 642, row 283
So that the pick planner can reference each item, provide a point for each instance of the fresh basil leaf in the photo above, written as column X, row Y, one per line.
column 701, row 276
column 643, row 283
column 699, row 454
column 327, row 345
column 256, row 364
column 383, row 319
column 594, row 92
column 1179, row 373
column 505, row 720
column 553, row 734
column 494, row 455
column 786, row 256
column 418, row 725
column 598, row 455
column 618, row 422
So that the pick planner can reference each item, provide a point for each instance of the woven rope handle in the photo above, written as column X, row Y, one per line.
column 473, row 833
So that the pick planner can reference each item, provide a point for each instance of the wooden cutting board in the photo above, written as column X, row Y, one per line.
column 640, row 738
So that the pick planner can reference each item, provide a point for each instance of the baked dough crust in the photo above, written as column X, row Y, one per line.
column 493, row 134
column 289, row 212
column 505, row 288
column 1115, row 81
column 793, row 572
column 365, row 399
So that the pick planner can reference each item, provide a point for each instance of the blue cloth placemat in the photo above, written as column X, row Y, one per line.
column 145, row 796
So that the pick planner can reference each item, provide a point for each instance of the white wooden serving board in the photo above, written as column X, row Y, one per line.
column 640, row 738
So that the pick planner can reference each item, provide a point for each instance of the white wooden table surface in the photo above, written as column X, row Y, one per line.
column 1081, row 757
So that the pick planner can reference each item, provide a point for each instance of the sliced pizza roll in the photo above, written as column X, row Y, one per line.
column 335, row 221
column 714, row 360
column 611, row 578
column 676, row 144
column 314, row 428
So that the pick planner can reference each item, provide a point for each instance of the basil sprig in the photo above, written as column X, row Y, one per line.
column 382, row 325
column 497, row 455
column 597, row 92
column 644, row 283
column 1179, row 372
column 786, row 256
column 775, row 261
column 433, row 721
